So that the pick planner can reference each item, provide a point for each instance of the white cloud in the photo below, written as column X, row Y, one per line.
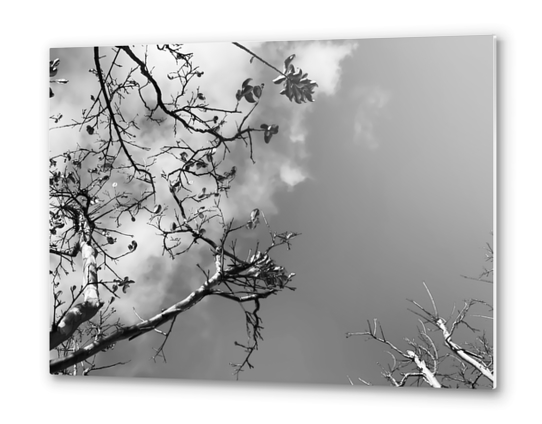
column 279, row 164
column 291, row 175
column 371, row 105
column 298, row 131
column 322, row 60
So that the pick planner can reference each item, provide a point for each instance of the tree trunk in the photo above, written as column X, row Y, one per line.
column 85, row 310
column 427, row 374
column 135, row 330
column 459, row 351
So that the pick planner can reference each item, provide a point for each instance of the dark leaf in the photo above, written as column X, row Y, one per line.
column 245, row 82
column 257, row 91
column 250, row 97
column 247, row 89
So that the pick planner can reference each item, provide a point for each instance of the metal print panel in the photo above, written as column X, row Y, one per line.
column 240, row 211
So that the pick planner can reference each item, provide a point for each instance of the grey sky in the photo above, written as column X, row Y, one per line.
column 389, row 178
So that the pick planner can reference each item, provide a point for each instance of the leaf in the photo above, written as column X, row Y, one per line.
column 257, row 91
column 279, row 80
column 274, row 129
column 245, row 82
column 90, row 130
column 239, row 95
column 288, row 61
column 296, row 76
column 264, row 126
column 267, row 136
column 247, row 89
column 53, row 67
column 250, row 98
column 157, row 209
column 173, row 226
column 297, row 95
column 202, row 194
column 51, row 94
column 254, row 219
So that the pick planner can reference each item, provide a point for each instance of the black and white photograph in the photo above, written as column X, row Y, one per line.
column 312, row 212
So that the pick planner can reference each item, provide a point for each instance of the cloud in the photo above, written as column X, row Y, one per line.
column 322, row 60
column 280, row 165
column 291, row 175
column 285, row 166
column 372, row 102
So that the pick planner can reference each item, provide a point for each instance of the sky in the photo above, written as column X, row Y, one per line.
column 388, row 175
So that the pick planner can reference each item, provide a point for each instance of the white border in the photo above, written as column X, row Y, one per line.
column 30, row 394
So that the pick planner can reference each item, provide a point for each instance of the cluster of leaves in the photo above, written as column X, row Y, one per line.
column 53, row 69
column 124, row 284
column 297, row 85
column 254, row 219
column 269, row 131
column 251, row 93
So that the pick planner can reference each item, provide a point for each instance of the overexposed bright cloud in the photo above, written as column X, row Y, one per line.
column 322, row 60
column 291, row 175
